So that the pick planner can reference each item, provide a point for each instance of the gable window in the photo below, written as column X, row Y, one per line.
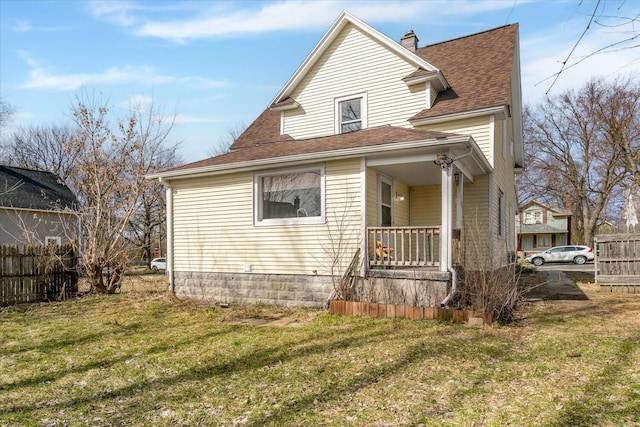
column 292, row 196
column 351, row 113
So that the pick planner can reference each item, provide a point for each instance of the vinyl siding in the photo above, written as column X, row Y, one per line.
column 354, row 64
column 426, row 205
column 401, row 207
column 372, row 198
column 214, row 231
column 503, row 180
column 477, row 127
column 476, row 222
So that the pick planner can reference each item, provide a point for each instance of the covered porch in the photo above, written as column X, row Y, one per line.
column 414, row 213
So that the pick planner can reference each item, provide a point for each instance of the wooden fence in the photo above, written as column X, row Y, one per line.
column 618, row 261
column 37, row 273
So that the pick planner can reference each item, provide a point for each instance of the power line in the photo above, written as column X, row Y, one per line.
column 564, row 63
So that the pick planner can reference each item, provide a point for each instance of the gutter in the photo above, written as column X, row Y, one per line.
column 454, row 284
column 169, row 206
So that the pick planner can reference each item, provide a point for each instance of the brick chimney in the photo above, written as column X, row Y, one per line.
column 410, row 41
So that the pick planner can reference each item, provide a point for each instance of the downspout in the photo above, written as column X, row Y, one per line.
column 169, row 205
column 450, row 269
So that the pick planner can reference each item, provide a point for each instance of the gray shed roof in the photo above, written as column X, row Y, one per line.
column 34, row 189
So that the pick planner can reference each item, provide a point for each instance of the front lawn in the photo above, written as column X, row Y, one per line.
column 141, row 358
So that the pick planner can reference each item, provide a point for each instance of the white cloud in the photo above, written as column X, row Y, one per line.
column 40, row 78
column 304, row 15
column 115, row 12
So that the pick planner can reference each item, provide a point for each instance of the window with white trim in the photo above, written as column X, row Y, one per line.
column 351, row 113
column 293, row 196
column 52, row 240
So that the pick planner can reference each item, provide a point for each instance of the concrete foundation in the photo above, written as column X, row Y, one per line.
column 251, row 288
column 417, row 288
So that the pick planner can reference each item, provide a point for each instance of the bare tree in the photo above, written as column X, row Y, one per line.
column 228, row 138
column 110, row 180
column 617, row 107
column 147, row 226
column 6, row 113
column 575, row 152
column 46, row 147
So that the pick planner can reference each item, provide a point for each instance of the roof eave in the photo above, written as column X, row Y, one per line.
column 257, row 164
column 501, row 112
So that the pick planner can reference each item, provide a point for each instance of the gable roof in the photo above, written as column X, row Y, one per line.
column 479, row 66
column 477, row 80
column 338, row 25
column 534, row 202
column 33, row 189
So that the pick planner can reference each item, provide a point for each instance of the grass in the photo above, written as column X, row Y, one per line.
column 142, row 358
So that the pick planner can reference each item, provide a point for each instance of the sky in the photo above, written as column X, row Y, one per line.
column 213, row 65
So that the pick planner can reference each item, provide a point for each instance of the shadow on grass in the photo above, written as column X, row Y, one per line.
column 594, row 406
column 295, row 348
column 104, row 362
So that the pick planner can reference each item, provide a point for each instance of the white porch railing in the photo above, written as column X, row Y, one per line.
column 403, row 246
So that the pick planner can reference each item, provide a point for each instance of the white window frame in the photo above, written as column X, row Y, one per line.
column 363, row 110
column 257, row 198
column 56, row 239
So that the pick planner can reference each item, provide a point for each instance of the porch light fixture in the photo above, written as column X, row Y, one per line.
column 443, row 160
column 399, row 197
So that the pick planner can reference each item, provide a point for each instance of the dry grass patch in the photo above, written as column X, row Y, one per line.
column 142, row 358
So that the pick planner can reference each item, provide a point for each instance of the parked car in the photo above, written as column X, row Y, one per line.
column 575, row 254
column 159, row 264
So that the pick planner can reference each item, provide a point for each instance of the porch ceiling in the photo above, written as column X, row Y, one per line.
column 416, row 166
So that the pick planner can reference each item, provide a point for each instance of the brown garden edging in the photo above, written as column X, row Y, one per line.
column 356, row 309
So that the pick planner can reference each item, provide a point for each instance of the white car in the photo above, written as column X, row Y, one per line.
column 159, row 264
column 575, row 254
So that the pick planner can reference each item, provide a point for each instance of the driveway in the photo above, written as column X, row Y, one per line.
column 559, row 281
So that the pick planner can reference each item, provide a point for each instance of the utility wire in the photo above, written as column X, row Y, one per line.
column 564, row 63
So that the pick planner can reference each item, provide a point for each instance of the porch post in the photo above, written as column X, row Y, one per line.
column 447, row 213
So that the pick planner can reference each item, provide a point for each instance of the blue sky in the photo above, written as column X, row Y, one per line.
column 216, row 64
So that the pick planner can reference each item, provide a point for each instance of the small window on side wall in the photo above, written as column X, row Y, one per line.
column 292, row 196
column 52, row 240
column 351, row 113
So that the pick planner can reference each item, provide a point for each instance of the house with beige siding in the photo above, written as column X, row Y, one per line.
column 540, row 227
column 391, row 161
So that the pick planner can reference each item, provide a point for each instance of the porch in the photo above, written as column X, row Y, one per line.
column 411, row 247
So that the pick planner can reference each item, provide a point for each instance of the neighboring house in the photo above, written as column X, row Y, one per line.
column 541, row 227
column 405, row 154
column 35, row 208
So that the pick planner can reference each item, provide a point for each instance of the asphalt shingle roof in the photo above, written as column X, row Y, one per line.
column 478, row 68
column 33, row 189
